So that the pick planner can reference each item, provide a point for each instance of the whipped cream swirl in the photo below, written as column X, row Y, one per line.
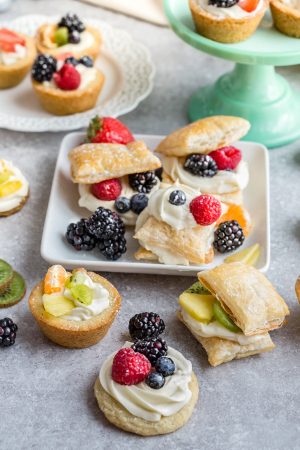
column 13, row 200
column 147, row 403
column 235, row 11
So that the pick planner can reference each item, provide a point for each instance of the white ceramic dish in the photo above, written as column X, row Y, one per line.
column 63, row 208
column 128, row 71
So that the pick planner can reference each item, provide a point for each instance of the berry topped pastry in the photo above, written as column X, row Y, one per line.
column 202, row 156
column 227, row 21
column 286, row 16
column 74, row 309
column 14, row 188
column 230, row 311
column 66, row 85
column 17, row 52
column 69, row 35
column 147, row 387
column 119, row 176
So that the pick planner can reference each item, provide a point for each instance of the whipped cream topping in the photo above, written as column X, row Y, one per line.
column 13, row 200
column 10, row 58
column 86, row 41
column 223, row 182
column 88, row 75
column 235, row 11
column 147, row 403
column 89, row 201
column 215, row 329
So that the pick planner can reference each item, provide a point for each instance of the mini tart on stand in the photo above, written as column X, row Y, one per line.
column 66, row 87
column 227, row 21
column 14, row 189
column 74, row 311
column 230, row 311
column 17, row 53
column 70, row 35
column 286, row 16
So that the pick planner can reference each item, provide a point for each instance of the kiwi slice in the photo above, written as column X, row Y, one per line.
column 198, row 288
column 223, row 318
column 6, row 274
column 14, row 292
column 82, row 293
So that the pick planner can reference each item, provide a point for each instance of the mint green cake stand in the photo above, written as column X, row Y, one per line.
column 253, row 89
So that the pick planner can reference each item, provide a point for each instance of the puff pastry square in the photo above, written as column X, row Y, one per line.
column 247, row 296
column 92, row 163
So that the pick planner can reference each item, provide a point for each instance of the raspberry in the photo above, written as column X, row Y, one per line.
column 206, row 209
column 227, row 158
column 68, row 78
column 107, row 190
column 130, row 367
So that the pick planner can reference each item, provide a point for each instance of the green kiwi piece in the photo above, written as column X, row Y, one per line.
column 223, row 318
column 6, row 274
column 14, row 292
column 198, row 288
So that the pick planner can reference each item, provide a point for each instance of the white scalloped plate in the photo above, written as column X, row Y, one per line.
column 126, row 64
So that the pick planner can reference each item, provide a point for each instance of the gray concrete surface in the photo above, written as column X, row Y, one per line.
column 46, row 393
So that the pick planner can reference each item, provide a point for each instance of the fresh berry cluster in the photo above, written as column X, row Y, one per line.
column 226, row 158
column 229, row 236
column 86, row 61
column 8, row 331
column 103, row 229
column 68, row 30
column 143, row 182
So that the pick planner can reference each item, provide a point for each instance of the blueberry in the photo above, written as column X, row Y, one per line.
column 122, row 205
column 71, row 60
column 138, row 203
column 86, row 61
column 165, row 366
column 74, row 37
column 177, row 198
column 155, row 380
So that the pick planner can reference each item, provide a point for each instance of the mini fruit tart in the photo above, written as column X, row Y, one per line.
column 17, row 53
column 147, row 387
column 227, row 21
column 286, row 16
column 66, row 86
column 69, row 35
column 120, row 177
column 203, row 157
column 230, row 311
column 74, row 310
column 14, row 189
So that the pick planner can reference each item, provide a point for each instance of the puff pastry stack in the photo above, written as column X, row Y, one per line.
column 238, row 307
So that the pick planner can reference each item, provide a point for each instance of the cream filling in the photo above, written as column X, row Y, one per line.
column 88, row 75
column 89, row 201
column 10, row 58
column 223, row 182
column 86, row 41
column 147, row 403
column 235, row 11
column 215, row 329
column 12, row 201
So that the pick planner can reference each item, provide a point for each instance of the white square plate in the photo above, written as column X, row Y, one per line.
column 63, row 208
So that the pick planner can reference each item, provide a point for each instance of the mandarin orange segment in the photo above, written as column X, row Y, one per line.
column 55, row 279
column 238, row 213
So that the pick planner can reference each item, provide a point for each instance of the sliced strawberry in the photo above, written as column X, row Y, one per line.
column 248, row 5
column 9, row 39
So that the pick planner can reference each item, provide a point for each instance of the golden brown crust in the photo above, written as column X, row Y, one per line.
column 286, row 18
column 92, row 51
column 62, row 103
column 227, row 30
column 204, row 136
column 247, row 296
column 92, row 163
column 12, row 75
column 121, row 418
column 73, row 334
column 15, row 210
column 297, row 288
column 142, row 253
column 220, row 351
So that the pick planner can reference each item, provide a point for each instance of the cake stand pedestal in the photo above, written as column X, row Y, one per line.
column 253, row 89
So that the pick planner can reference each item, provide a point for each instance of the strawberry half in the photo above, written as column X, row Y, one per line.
column 9, row 39
column 108, row 130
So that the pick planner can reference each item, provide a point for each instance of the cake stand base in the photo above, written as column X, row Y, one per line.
column 258, row 94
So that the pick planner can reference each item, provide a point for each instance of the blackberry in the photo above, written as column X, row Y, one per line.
column 122, row 205
column 228, row 236
column 165, row 366
column 105, row 224
column 86, row 61
column 152, row 348
column 43, row 68
column 8, row 331
column 72, row 22
column 158, row 173
column 74, row 37
column 72, row 60
column 142, row 182
column 223, row 3
column 113, row 248
column 177, row 198
column 201, row 165
column 146, row 325
column 155, row 380
column 79, row 237
column 138, row 203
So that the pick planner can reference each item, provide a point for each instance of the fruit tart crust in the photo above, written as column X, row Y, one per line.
column 92, row 51
column 120, row 417
column 70, row 333
column 15, row 210
column 13, row 74
column 286, row 18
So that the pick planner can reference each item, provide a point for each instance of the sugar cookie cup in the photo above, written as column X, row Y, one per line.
column 286, row 18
